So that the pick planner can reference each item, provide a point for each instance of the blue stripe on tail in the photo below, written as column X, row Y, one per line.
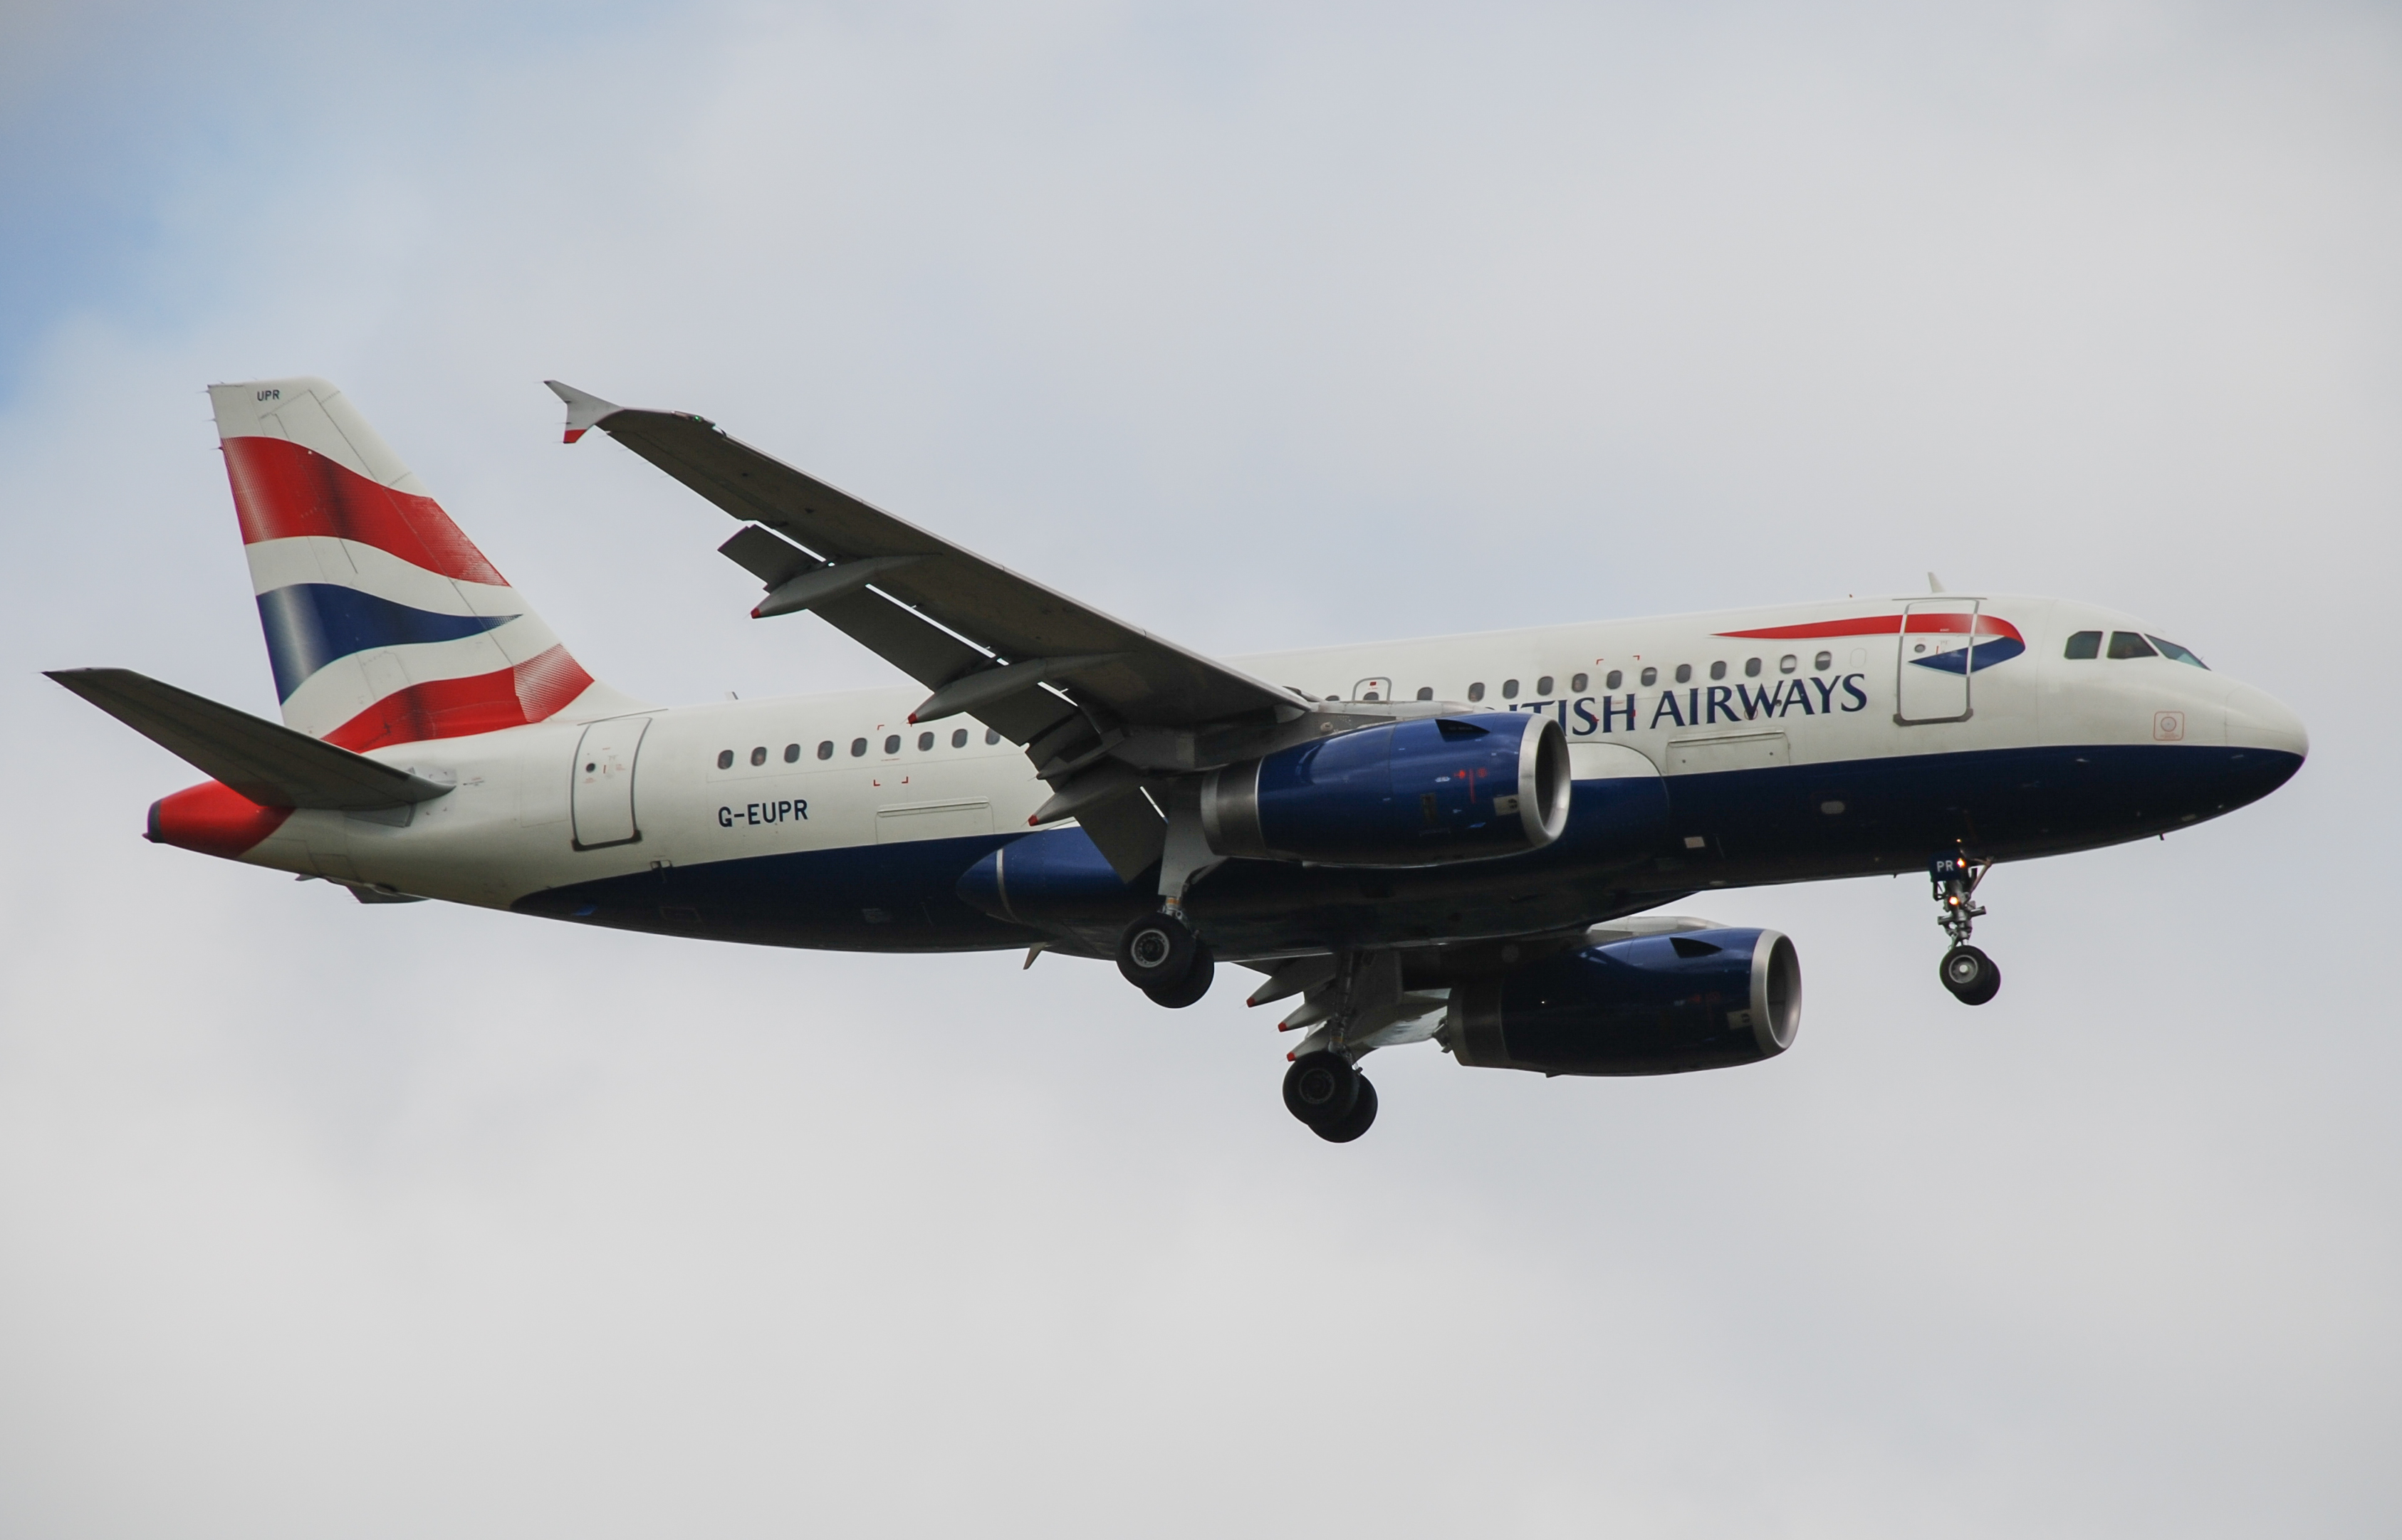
column 310, row 625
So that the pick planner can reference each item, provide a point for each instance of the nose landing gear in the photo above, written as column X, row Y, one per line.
column 1972, row 977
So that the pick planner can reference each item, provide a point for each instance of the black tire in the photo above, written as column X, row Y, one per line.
column 1972, row 977
column 1156, row 951
column 1176, row 997
column 1321, row 1089
column 1355, row 1122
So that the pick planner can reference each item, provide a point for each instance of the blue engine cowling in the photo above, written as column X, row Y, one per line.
column 1419, row 792
column 1655, row 1005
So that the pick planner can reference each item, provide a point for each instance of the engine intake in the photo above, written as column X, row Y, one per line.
column 1655, row 1005
column 1420, row 793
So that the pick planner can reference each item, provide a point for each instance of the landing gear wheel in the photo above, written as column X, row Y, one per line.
column 1321, row 1089
column 1972, row 977
column 1156, row 951
column 1355, row 1122
column 1176, row 997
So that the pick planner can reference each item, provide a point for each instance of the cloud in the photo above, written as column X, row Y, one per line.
column 1263, row 328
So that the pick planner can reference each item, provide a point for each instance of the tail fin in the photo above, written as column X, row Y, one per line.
column 384, row 624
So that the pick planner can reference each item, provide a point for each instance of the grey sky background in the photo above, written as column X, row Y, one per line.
column 1264, row 326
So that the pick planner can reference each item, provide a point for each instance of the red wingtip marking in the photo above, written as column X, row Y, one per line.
column 573, row 434
column 755, row 611
column 1031, row 824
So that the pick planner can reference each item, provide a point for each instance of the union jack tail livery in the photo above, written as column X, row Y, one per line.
column 384, row 624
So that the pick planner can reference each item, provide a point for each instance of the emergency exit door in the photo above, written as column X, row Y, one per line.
column 1939, row 648
column 603, row 782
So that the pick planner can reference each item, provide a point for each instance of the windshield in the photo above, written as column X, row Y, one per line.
column 2171, row 650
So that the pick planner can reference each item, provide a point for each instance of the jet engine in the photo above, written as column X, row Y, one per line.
column 1653, row 1005
column 1420, row 793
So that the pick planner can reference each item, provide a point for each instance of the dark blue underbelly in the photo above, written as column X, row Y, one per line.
column 1625, row 849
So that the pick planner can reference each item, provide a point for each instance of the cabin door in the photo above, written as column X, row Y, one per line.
column 1938, row 643
column 603, row 782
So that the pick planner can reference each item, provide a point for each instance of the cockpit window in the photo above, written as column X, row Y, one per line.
column 2171, row 650
column 2127, row 644
column 2084, row 644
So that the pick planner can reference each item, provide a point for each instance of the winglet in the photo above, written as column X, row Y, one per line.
column 584, row 412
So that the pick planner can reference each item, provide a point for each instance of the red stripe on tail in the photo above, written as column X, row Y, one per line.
column 282, row 490
column 533, row 691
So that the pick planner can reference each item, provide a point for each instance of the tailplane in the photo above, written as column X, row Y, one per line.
column 384, row 624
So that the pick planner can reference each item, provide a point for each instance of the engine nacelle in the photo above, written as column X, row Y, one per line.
column 1655, row 1005
column 1419, row 792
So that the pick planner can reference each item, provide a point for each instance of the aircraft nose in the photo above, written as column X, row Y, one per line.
column 2258, row 720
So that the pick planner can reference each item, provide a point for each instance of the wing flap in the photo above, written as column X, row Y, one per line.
column 270, row 764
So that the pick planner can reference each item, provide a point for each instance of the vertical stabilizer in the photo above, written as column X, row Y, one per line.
column 384, row 624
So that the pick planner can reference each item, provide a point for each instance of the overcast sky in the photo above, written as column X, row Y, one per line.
column 1262, row 325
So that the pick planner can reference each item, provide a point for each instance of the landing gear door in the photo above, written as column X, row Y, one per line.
column 1938, row 644
column 603, row 782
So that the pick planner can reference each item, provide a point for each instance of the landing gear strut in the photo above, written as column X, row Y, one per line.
column 1972, row 977
column 1326, row 1092
column 1160, row 956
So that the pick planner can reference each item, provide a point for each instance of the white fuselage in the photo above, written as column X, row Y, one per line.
column 738, row 779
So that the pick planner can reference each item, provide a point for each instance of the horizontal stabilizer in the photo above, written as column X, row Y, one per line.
column 271, row 765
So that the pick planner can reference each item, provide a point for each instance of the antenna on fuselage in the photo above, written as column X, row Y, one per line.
column 1933, row 584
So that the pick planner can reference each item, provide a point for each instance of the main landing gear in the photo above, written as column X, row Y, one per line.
column 1160, row 956
column 1972, row 977
column 1327, row 1092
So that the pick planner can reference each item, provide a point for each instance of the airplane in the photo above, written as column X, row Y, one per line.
column 1461, row 838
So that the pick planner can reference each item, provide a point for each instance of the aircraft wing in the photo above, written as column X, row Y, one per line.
column 1035, row 634
column 267, row 761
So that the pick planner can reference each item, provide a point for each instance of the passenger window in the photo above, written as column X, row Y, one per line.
column 1786, row 664
column 1684, row 673
column 1476, row 691
column 726, row 759
column 2171, row 650
column 892, row 743
column 1508, row 689
column 759, row 755
column 858, row 746
column 1718, row 670
column 2127, row 644
column 1650, row 677
column 1752, row 668
column 1578, row 685
column 1543, row 685
column 1617, row 677
column 825, row 750
column 925, row 742
column 1823, row 662
column 959, row 738
column 2084, row 644
column 991, row 737
column 1426, row 692
column 792, row 753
